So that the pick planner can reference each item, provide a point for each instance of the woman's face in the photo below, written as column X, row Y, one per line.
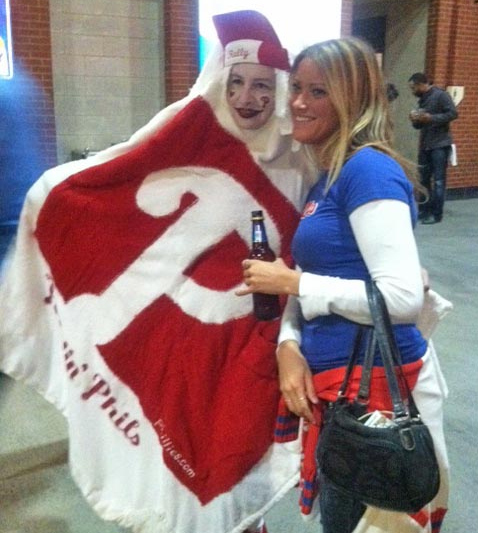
column 251, row 92
column 313, row 115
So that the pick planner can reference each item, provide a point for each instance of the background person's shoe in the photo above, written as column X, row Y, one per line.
column 429, row 220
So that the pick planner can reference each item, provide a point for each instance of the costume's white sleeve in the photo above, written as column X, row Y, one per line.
column 384, row 235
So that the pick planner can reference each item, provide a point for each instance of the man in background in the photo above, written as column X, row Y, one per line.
column 432, row 117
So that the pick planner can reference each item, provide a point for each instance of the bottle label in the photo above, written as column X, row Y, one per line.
column 257, row 236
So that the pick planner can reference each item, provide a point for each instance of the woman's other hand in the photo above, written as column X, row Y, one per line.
column 269, row 278
column 295, row 380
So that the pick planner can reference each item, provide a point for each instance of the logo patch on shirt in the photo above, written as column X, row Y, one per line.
column 309, row 209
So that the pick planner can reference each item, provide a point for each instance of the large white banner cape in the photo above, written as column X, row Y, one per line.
column 118, row 306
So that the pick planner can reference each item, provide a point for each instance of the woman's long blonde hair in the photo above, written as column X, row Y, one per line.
column 354, row 82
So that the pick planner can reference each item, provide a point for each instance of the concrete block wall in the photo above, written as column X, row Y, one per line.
column 107, row 62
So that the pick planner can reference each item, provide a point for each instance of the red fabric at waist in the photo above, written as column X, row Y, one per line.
column 327, row 385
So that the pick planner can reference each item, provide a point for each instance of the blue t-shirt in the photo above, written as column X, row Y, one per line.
column 324, row 244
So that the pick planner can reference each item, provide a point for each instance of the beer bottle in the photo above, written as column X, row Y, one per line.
column 266, row 306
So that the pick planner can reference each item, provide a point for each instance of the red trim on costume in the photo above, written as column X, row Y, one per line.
column 422, row 517
column 437, row 518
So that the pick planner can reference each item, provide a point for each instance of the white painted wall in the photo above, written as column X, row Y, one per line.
column 107, row 70
column 405, row 45
column 405, row 48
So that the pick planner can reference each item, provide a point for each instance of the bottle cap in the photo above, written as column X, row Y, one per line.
column 257, row 215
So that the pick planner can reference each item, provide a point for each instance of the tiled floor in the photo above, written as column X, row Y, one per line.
column 38, row 495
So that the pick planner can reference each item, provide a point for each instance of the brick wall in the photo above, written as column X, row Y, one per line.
column 31, row 47
column 452, row 60
column 181, row 32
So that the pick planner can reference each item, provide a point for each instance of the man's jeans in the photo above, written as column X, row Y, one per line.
column 433, row 165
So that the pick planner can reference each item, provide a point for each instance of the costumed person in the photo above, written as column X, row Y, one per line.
column 120, row 305
column 357, row 225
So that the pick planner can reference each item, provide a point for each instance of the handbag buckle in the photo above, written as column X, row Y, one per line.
column 407, row 438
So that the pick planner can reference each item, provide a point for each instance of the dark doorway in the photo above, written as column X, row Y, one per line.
column 371, row 30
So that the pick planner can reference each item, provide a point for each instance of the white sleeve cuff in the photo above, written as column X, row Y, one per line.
column 290, row 329
column 323, row 295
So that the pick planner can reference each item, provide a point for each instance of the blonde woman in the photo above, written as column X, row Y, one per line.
column 357, row 224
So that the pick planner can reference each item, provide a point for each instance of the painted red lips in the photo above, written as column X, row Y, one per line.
column 248, row 113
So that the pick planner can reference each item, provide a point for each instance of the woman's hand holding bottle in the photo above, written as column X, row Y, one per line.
column 269, row 278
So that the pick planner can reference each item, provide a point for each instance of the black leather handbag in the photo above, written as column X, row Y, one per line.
column 394, row 466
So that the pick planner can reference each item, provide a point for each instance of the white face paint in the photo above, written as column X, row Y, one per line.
column 251, row 91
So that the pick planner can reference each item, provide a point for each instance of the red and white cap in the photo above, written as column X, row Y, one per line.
column 248, row 37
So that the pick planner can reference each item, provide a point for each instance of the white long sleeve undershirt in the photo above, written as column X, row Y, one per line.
column 384, row 235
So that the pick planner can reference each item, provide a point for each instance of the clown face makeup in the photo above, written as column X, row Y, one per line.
column 251, row 95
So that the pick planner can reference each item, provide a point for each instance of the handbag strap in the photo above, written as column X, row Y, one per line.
column 367, row 366
column 351, row 363
column 389, row 352
column 382, row 334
